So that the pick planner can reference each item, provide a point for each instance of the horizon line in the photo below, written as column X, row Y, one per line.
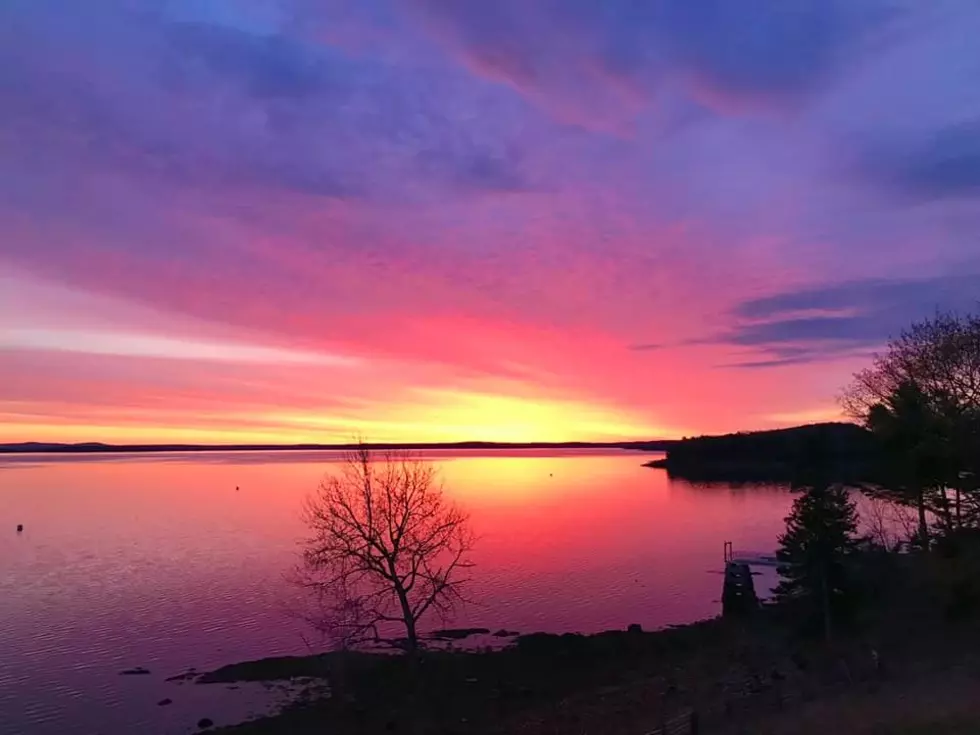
column 95, row 446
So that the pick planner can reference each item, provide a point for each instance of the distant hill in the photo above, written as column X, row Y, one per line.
column 98, row 447
column 773, row 455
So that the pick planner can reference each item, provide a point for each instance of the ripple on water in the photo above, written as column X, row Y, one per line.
column 173, row 569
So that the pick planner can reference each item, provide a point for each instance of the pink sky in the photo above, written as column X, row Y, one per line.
column 416, row 220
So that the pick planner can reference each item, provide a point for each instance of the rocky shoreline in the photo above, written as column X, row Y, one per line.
column 614, row 681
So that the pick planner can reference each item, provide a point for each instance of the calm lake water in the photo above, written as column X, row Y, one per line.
column 159, row 562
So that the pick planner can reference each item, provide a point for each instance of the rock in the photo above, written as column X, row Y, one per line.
column 503, row 633
column 634, row 628
column 458, row 633
column 186, row 676
column 20, row 527
column 165, row 702
column 138, row 671
column 205, row 722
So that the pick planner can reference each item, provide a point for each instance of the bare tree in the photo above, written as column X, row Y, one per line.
column 922, row 398
column 886, row 524
column 385, row 547
column 940, row 356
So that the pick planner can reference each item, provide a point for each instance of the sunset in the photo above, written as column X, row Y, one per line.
column 617, row 360
column 297, row 221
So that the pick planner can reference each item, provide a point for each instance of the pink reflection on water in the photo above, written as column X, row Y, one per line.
column 160, row 562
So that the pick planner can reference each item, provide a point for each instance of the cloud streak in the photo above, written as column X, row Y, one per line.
column 159, row 346
column 394, row 216
column 839, row 320
column 758, row 54
column 946, row 164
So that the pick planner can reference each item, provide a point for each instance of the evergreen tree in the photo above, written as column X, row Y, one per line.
column 820, row 536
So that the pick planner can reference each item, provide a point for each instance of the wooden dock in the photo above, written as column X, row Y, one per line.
column 750, row 558
column 738, row 597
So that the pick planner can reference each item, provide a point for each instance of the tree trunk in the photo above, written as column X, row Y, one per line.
column 947, row 516
column 826, row 605
column 920, row 502
column 416, row 686
column 411, row 635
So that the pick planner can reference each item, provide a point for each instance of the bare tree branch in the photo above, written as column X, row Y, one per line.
column 385, row 546
column 921, row 397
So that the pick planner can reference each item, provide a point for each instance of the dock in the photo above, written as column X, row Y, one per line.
column 738, row 597
column 750, row 558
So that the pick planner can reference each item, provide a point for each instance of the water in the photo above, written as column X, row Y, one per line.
column 158, row 561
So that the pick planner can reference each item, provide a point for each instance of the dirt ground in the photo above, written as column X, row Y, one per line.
column 944, row 703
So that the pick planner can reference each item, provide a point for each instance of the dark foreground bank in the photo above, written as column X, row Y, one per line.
column 920, row 628
column 610, row 683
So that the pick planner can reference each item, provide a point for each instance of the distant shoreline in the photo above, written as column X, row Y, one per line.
column 847, row 451
column 100, row 448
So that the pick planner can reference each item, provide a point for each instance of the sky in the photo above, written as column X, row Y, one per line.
column 441, row 220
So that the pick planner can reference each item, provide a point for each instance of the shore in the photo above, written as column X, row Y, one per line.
column 538, row 681
column 627, row 682
column 847, row 453
column 752, row 471
column 918, row 633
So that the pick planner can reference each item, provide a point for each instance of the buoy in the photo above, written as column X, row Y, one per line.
column 20, row 527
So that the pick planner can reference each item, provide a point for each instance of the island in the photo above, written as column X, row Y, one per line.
column 847, row 451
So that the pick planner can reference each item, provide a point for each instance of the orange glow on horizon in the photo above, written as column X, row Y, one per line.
column 442, row 416
column 409, row 378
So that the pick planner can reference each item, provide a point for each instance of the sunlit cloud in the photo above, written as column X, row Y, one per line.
column 157, row 346
column 446, row 220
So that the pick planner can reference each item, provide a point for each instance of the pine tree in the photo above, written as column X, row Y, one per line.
column 820, row 535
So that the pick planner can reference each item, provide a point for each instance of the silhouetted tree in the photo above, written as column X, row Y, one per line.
column 922, row 399
column 820, row 536
column 941, row 356
column 911, row 434
column 386, row 547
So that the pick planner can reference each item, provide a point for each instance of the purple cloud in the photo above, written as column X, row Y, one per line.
column 944, row 164
column 840, row 319
column 399, row 177
column 206, row 105
column 762, row 53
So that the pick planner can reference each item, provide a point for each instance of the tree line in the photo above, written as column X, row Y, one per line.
column 920, row 399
